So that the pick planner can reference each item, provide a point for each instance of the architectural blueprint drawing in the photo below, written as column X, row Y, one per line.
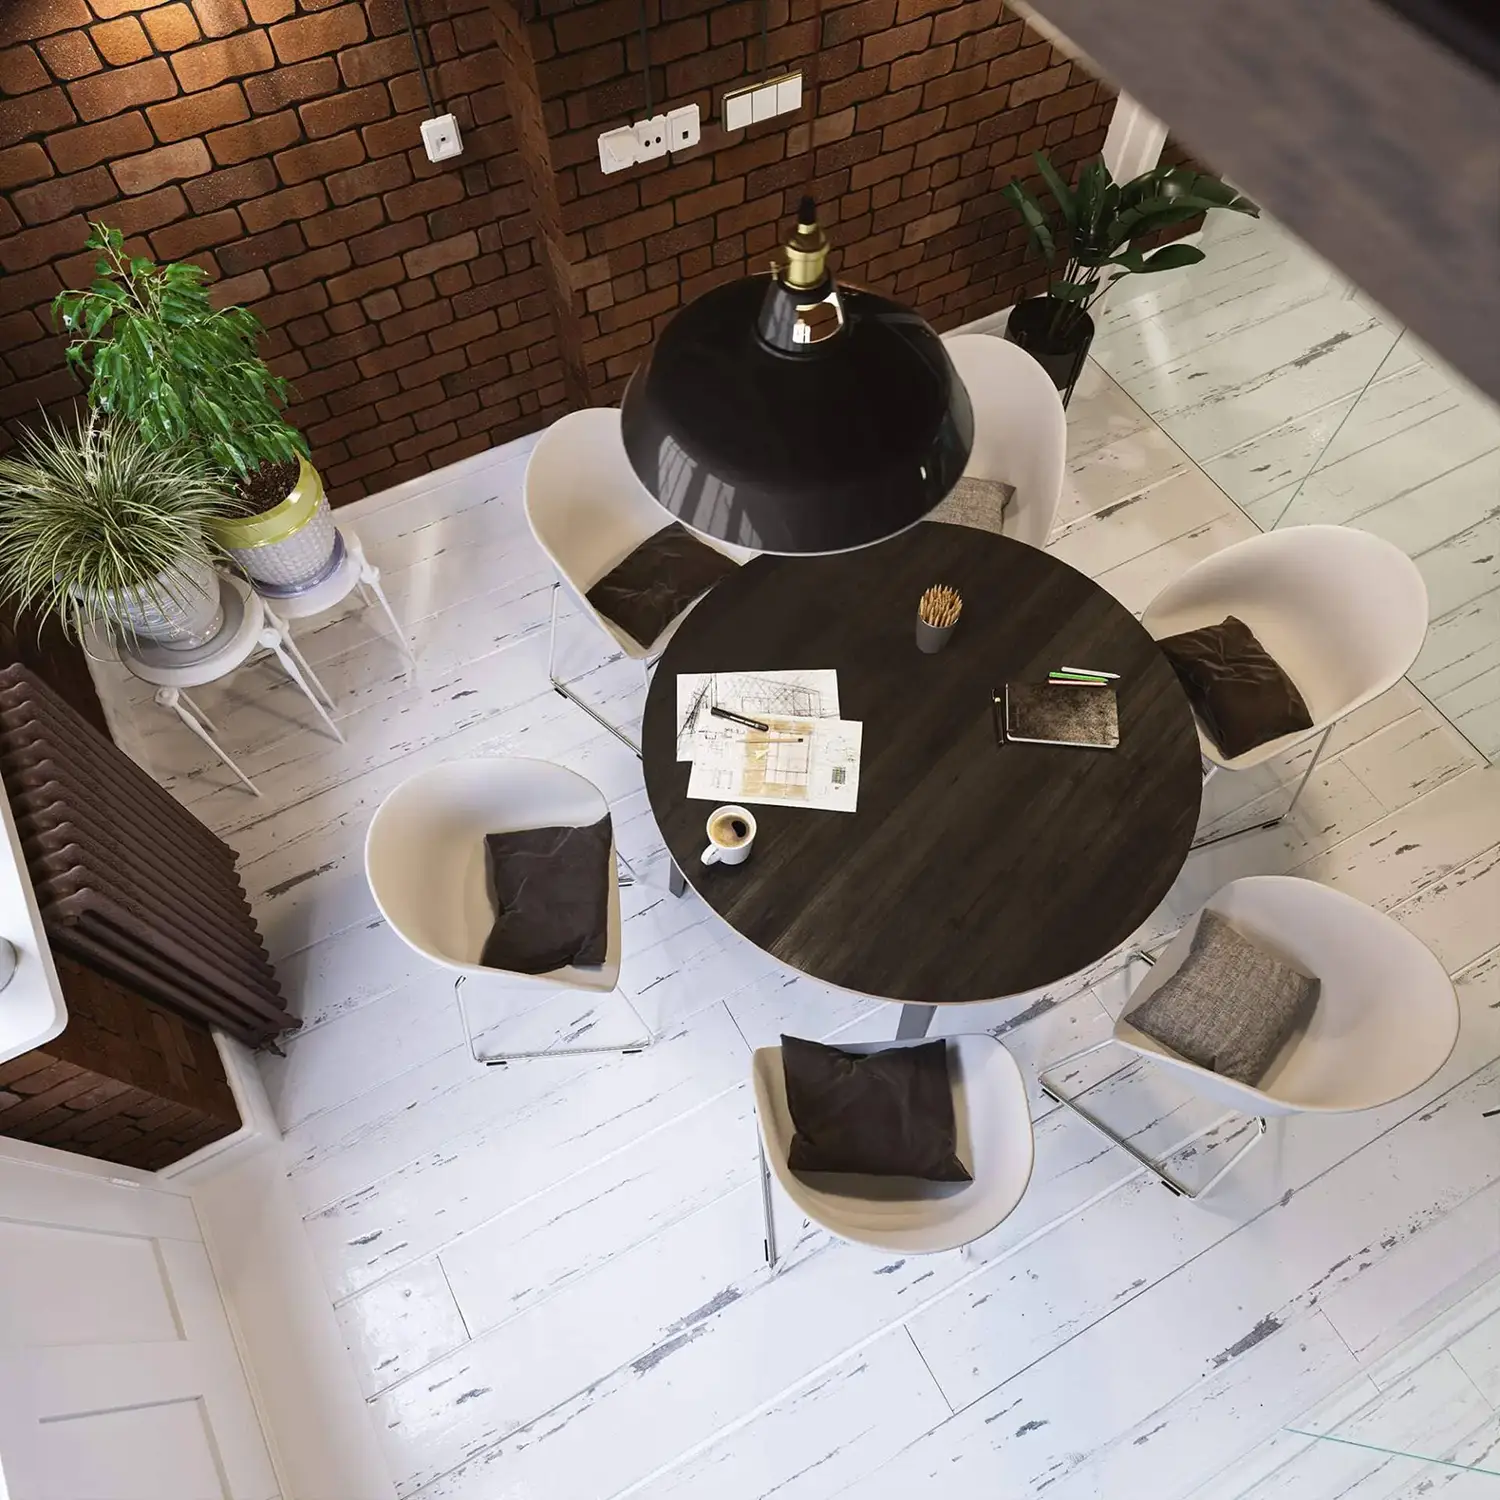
column 806, row 762
column 757, row 695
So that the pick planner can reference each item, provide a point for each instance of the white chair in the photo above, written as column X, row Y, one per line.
column 1342, row 611
column 1385, row 1021
column 1020, row 432
column 424, row 860
column 588, row 513
column 900, row 1214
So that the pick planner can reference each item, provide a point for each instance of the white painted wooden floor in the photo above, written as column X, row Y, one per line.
column 1306, row 403
column 550, row 1276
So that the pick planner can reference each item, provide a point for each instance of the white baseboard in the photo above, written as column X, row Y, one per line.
column 257, row 1121
column 312, row 1410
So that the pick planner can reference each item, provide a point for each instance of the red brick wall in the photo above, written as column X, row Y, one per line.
column 925, row 109
column 277, row 144
column 427, row 312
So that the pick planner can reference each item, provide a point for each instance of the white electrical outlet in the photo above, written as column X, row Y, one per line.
column 441, row 138
column 651, row 138
column 617, row 149
column 683, row 128
column 647, row 140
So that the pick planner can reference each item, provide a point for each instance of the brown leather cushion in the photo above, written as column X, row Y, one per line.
column 1235, row 686
column 550, row 891
column 885, row 1114
column 665, row 574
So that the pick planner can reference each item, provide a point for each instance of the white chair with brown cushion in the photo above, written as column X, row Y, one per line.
column 903, row 1214
column 588, row 513
column 1385, row 1019
column 1343, row 613
column 1020, row 439
column 425, row 864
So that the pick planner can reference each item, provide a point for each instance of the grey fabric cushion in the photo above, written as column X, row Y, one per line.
column 981, row 503
column 1230, row 1007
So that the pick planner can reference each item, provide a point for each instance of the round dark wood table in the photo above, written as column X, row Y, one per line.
column 971, row 870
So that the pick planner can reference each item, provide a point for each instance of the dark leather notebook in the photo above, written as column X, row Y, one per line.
column 1057, row 713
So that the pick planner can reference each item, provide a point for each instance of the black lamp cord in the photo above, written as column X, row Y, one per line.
column 765, row 39
column 411, row 31
column 646, row 58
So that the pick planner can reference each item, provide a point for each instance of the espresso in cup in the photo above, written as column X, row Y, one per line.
column 731, row 831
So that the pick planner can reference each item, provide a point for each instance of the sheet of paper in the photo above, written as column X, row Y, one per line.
column 758, row 695
column 803, row 762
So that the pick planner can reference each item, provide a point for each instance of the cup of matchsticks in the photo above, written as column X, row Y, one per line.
column 937, row 613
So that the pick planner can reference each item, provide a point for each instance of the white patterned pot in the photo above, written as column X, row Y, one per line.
column 289, row 548
column 181, row 611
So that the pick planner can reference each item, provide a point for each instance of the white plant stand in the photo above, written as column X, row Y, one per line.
column 250, row 625
column 355, row 572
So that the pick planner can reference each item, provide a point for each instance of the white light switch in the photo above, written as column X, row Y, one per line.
column 737, row 111
column 755, row 102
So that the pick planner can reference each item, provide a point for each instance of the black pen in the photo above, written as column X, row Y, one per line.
column 723, row 713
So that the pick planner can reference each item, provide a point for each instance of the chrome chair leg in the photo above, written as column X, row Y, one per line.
column 499, row 1059
column 1095, row 1123
column 562, row 688
column 766, row 1206
column 1280, row 817
column 1155, row 1168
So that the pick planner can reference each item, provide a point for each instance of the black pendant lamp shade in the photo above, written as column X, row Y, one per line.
column 793, row 416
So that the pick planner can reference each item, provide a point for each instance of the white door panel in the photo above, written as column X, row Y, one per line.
column 119, row 1378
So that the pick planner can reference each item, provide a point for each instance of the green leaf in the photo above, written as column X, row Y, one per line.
column 1060, row 190
column 1172, row 257
column 1033, row 216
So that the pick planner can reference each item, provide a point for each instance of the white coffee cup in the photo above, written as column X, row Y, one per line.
column 731, row 832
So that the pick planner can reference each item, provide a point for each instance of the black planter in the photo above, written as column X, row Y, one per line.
column 1030, row 327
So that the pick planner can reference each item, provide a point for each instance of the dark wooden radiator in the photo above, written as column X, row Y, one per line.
column 126, row 1081
column 129, row 882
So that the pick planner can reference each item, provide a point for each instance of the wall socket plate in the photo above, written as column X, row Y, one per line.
column 647, row 140
column 441, row 138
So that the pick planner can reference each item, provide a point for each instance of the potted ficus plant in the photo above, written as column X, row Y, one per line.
column 98, row 525
column 1093, row 234
column 158, row 355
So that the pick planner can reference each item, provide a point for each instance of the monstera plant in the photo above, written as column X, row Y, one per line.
column 1096, row 231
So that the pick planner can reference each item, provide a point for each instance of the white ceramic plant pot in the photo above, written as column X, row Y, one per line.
column 182, row 612
column 290, row 548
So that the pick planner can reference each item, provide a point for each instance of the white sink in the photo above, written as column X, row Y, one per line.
column 31, row 1004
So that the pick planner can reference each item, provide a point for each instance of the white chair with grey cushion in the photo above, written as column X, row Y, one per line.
column 588, row 512
column 425, row 863
column 1384, row 1021
column 1020, row 439
column 901, row 1214
column 1343, row 613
